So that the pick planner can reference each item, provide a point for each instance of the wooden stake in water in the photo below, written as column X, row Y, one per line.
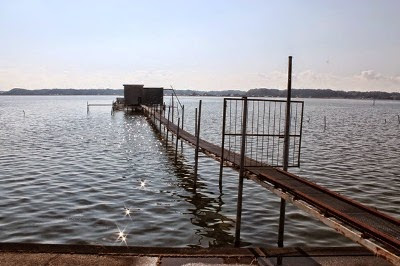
column 324, row 123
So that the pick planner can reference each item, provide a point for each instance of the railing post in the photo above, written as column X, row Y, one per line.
column 285, row 153
column 241, row 174
column 221, row 166
column 166, row 139
column 196, row 153
column 177, row 140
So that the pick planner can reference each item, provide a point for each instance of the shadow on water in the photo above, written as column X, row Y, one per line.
column 212, row 224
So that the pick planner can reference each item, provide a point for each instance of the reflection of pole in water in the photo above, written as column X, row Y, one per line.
column 206, row 212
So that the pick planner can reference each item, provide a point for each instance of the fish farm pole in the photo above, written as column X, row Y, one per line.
column 241, row 174
column 196, row 154
column 285, row 153
column 221, row 166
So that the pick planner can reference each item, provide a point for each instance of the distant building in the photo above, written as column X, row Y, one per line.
column 136, row 94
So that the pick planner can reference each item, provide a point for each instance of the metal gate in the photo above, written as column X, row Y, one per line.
column 262, row 124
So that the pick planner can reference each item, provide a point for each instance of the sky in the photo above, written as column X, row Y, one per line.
column 202, row 45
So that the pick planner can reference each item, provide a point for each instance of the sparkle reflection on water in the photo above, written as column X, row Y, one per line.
column 73, row 177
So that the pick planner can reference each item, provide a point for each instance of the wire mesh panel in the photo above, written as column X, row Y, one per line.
column 265, row 131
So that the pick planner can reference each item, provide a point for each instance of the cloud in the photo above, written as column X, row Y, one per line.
column 370, row 75
column 42, row 77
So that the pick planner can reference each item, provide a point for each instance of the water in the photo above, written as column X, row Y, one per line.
column 68, row 176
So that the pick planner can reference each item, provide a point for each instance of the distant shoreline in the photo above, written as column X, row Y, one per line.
column 261, row 92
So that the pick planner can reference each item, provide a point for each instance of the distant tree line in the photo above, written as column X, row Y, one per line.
column 260, row 92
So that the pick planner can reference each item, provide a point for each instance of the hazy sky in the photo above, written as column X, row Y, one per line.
column 349, row 45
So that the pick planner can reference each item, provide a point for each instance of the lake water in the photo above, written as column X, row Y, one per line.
column 68, row 176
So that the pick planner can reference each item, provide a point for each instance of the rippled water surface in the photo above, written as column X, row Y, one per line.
column 68, row 175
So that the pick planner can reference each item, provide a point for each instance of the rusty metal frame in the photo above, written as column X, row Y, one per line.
column 259, row 139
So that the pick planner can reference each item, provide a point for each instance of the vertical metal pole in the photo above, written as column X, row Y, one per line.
column 221, row 166
column 164, row 116
column 241, row 173
column 87, row 107
column 324, row 123
column 183, row 119
column 195, row 121
column 177, row 140
column 173, row 111
column 196, row 153
column 183, row 114
column 166, row 139
column 285, row 154
column 154, row 115
column 159, row 116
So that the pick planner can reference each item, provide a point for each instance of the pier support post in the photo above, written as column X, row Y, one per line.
column 159, row 117
column 172, row 114
column 196, row 153
column 195, row 121
column 241, row 174
column 221, row 166
column 164, row 116
column 285, row 153
column 177, row 141
column 154, row 115
column 166, row 139
column 183, row 119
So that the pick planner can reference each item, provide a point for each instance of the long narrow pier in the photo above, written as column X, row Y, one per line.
column 376, row 231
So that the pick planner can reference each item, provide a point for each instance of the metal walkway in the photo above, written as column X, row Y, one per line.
column 375, row 230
